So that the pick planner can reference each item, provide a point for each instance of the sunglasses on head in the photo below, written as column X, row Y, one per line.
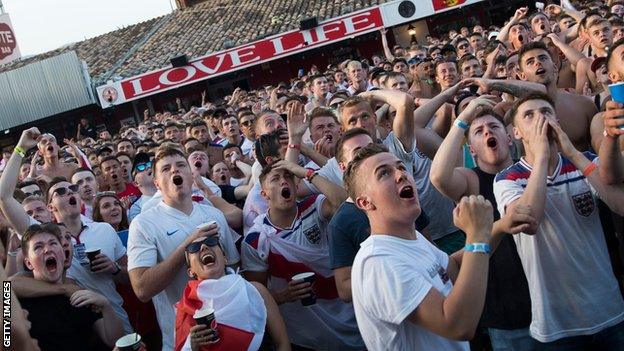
column 143, row 166
column 208, row 241
column 34, row 193
column 64, row 190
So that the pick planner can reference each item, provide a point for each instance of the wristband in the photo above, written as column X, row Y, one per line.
column 18, row 150
column 460, row 124
column 477, row 247
column 589, row 169
column 309, row 174
column 314, row 174
column 294, row 146
column 118, row 268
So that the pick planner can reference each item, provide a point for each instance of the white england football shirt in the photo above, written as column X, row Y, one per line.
column 572, row 287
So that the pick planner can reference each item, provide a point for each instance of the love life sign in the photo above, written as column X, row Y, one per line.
column 251, row 54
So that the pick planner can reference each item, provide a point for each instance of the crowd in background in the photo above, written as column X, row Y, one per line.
column 462, row 194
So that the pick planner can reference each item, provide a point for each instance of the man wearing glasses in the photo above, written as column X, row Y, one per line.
column 144, row 180
column 109, row 266
column 246, row 121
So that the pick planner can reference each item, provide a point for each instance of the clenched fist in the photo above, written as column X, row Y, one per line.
column 474, row 216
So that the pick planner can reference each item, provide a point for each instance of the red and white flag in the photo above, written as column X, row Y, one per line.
column 330, row 323
column 239, row 311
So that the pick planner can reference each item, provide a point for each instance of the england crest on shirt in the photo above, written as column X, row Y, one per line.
column 584, row 203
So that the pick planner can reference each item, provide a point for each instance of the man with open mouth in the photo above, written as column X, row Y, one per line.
column 64, row 203
column 159, row 235
column 561, row 186
column 52, row 165
column 112, row 174
column 416, row 313
column 508, row 324
column 63, row 322
column 292, row 238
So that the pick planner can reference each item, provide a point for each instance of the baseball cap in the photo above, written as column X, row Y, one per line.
column 597, row 63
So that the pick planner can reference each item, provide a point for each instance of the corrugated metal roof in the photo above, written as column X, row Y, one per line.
column 43, row 89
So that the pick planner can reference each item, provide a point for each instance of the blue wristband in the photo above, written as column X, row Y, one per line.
column 477, row 247
column 460, row 124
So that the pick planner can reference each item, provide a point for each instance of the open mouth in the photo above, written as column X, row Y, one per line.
column 50, row 263
column 286, row 193
column 540, row 71
column 603, row 41
column 329, row 137
column 543, row 27
column 73, row 201
column 198, row 164
column 208, row 259
column 520, row 38
column 114, row 176
column 407, row 192
column 491, row 142
column 177, row 180
column 114, row 214
column 223, row 177
column 50, row 148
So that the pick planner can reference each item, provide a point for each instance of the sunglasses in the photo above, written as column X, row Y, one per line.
column 143, row 166
column 34, row 193
column 64, row 190
column 195, row 246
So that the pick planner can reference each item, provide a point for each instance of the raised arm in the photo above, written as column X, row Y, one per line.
column 427, row 111
column 335, row 195
column 456, row 182
column 149, row 281
column 403, row 103
column 11, row 208
column 297, row 126
column 534, row 194
column 503, row 35
column 611, row 160
column 456, row 316
column 611, row 194
column 517, row 88
column 384, row 43
column 573, row 55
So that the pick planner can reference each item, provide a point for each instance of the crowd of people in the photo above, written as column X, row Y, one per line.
column 464, row 193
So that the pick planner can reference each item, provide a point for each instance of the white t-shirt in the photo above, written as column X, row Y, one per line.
column 137, row 206
column 157, row 198
column 102, row 236
column 389, row 279
column 155, row 234
column 573, row 290
column 247, row 148
column 255, row 205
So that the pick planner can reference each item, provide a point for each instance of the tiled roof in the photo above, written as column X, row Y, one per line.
column 101, row 53
column 194, row 31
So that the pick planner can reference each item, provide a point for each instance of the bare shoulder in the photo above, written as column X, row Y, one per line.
column 264, row 292
column 572, row 99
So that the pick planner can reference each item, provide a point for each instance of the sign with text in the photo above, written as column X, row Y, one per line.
column 9, row 50
column 252, row 54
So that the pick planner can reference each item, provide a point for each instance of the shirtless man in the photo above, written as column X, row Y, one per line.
column 576, row 111
column 600, row 39
column 615, row 69
column 52, row 165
